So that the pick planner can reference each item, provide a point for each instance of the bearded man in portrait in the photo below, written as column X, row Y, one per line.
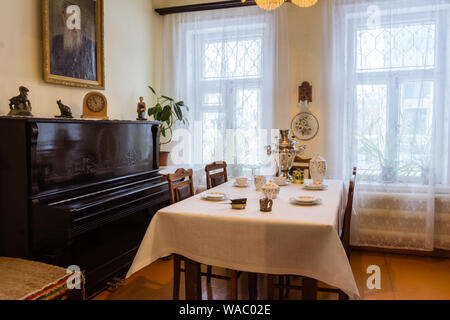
column 73, row 54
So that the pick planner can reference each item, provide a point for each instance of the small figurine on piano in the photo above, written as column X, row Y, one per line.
column 65, row 111
column 20, row 105
column 141, row 107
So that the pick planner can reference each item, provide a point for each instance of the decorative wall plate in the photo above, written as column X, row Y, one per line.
column 305, row 126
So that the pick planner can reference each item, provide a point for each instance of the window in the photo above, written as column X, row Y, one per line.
column 397, row 85
column 390, row 72
column 228, row 76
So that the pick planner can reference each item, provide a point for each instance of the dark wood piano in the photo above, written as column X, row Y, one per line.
column 78, row 192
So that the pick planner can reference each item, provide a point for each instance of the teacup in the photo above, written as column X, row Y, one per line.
column 281, row 181
column 242, row 181
column 260, row 181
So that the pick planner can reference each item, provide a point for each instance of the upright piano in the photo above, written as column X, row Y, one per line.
column 78, row 192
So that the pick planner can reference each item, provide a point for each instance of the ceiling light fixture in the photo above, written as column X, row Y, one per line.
column 274, row 4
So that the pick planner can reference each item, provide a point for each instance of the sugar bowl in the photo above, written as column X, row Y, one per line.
column 271, row 190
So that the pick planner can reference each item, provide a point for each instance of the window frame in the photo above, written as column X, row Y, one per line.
column 393, row 78
column 227, row 87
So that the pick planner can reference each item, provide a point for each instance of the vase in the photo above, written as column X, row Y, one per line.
column 425, row 174
column 260, row 181
column 318, row 168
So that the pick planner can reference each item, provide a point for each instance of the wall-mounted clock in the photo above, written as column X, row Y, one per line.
column 95, row 106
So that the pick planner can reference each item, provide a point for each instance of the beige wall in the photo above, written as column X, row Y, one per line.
column 133, row 57
column 130, row 60
column 305, row 35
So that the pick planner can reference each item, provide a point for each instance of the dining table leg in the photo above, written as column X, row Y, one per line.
column 309, row 289
column 270, row 286
column 193, row 280
column 252, row 286
column 281, row 287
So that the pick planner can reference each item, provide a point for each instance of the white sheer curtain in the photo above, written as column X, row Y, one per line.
column 388, row 92
column 231, row 68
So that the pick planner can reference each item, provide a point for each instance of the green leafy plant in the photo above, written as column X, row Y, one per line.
column 391, row 170
column 169, row 112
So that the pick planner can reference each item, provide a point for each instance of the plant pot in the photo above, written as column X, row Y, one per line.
column 163, row 158
column 425, row 174
column 387, row 174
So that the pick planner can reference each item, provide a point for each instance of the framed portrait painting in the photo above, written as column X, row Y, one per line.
column 73, row 49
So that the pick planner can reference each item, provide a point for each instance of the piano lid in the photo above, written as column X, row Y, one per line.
column 75, row 153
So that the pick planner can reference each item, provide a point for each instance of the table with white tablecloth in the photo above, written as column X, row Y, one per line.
column 291, row 240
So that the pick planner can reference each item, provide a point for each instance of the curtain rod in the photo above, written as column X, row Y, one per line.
column 205, row 6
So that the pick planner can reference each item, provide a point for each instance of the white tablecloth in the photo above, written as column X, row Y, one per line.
column 292, row 240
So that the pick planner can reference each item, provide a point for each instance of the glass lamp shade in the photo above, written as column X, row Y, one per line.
column 269, row 4
column 304, row 3
column 274, row 4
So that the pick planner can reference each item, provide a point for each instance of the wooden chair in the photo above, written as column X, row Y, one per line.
column 213, row 180
column 302, row 164
column 218, row 178
column 180, row 189
column 284, row 282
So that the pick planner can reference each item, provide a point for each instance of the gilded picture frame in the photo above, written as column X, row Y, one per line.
column 73, row 43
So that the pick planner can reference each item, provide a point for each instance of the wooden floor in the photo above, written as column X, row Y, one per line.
column 402, row 277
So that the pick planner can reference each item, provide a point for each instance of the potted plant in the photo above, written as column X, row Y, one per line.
column 388, row 172
column 422, row 163
column 169, row 112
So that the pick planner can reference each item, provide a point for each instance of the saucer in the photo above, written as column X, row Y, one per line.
column 311, row 186
column 286, row 182
column 306, row 201
column 214, row 196
column 239, row 186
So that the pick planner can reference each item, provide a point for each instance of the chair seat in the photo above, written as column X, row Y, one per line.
column 28, row 280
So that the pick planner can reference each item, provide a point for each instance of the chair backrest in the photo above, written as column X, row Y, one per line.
column 302, row 164
column 345, row 233
column 179, row 187
column 218, row 178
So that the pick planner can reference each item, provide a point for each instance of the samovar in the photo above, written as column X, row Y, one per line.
column 287, row 149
